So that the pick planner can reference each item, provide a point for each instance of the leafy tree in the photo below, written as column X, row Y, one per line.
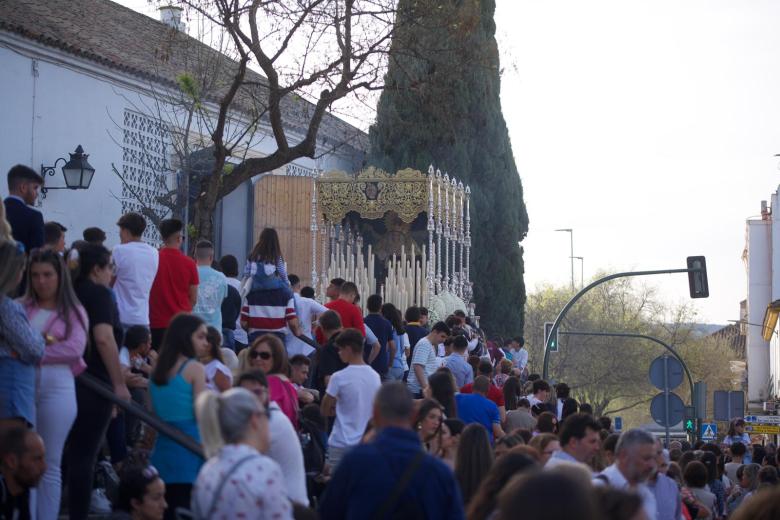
column 612, row 373
column 435, row 110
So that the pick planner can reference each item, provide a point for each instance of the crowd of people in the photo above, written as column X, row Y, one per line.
column 272, row 404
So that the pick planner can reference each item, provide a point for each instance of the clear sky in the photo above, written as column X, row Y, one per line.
column 649, row 127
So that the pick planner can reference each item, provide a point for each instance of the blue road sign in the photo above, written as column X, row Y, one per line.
column 618, row 423
column 709, row 431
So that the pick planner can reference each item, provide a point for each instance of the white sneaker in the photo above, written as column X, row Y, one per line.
column 100, row 503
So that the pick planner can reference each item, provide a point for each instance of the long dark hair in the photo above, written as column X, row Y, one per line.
column 177, row 341
column 393, row 315
column 267, row 249
column 547, row 423
column 486, row 497
column 443, row 390
column 473, row 460
column 89, row 257
column 66, row 299
column 425, row 407
column 511, row 392
column 214, row 338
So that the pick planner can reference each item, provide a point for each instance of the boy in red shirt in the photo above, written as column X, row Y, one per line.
column 350, row 314
column 175, row 287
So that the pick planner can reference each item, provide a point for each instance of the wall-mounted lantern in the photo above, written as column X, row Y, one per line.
column 77, row 172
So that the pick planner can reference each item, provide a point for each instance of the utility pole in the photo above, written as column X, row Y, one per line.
column 582, row 270
column 570, row 231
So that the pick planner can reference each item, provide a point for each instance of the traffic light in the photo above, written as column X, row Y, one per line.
column 697, row 280
column 689, row 419
column 548, row 325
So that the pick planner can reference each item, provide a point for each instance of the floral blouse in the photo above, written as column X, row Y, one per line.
column 254, row 490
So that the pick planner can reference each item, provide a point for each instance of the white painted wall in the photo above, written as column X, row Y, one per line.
column 759, row 275
column 51, row 102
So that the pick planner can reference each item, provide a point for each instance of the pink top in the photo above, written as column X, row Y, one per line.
column 67, row 350
column 284, row 394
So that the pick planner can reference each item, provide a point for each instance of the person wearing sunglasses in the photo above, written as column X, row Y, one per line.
column 238, row 481
column 269, row 355
column 21, row 347
column 289, row 455
column 55, row 312
column 141, row 493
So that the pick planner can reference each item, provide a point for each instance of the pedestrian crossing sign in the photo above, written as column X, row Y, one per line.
column 709, row 431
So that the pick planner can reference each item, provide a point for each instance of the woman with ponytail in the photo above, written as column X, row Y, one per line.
column 238, row 481
column 177, row 381
column 92, row 279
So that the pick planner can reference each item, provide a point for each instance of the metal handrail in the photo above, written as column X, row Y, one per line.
column 106, row 392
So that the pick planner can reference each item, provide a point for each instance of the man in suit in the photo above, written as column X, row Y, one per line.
column 26, row 222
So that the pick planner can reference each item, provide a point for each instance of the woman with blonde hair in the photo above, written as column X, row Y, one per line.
column 546, row 444
column 5, row 227
column 238, row 480
column 21, row 347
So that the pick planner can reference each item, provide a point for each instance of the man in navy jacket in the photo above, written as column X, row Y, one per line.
column 391, row 476
column 26, row 222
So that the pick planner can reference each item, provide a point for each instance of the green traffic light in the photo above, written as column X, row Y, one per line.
column 689, row 425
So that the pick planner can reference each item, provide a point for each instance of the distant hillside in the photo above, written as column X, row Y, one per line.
column 705, row 329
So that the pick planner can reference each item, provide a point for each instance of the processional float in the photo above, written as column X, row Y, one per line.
column 434, row 273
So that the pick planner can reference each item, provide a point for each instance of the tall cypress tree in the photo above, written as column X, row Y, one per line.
column 441, row 106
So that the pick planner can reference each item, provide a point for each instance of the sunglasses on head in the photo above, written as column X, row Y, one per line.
column 150, row 472
column 262, row 355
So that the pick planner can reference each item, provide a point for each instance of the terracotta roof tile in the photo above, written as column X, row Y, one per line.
column 118, row 37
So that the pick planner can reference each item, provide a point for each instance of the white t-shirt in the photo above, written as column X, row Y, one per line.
column 124, row 357
column 354, row 388
column 212, row 367
column 520, row 358
column 286, row 450
column 424, row 354
column 305, row 309
column 136, row 266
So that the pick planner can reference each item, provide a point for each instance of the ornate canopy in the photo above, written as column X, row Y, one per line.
column 372, row 193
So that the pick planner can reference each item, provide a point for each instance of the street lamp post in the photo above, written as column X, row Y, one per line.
column 582, row 270
column 570, row 231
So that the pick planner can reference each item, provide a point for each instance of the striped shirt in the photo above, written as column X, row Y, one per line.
column 268, row 311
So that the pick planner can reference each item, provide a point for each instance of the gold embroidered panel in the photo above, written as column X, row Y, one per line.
column 371, row 193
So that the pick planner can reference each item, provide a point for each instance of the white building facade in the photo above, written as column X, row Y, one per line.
column 762, row 259
column 58, row 91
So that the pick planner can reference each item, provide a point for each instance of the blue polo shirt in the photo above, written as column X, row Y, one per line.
column 473, row 408
column 368, row 473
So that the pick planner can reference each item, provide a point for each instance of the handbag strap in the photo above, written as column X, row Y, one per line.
column 400, row 486
column 221, row 485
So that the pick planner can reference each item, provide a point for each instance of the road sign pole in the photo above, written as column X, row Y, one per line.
column 666, row 396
